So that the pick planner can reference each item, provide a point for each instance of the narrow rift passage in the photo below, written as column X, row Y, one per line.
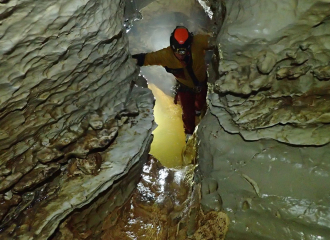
column 169, row 137
column 149, row 25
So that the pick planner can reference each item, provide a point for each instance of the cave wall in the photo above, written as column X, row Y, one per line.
column 279, row 69
column 264, row 140
column 94, row 220
column 72, row 121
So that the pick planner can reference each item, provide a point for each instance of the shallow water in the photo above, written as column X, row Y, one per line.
column 165, row 206
column 156, row 208
column 169, row 137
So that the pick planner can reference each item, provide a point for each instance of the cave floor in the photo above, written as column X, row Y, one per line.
column 165, row 205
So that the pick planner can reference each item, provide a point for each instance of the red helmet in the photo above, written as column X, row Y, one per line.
column 181, row 38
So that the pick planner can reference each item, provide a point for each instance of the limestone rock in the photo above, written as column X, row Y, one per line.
column 268, row 62
column 267, row 128
column 65, row 77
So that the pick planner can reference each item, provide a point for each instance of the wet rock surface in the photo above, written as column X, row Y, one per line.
column 264, row 139
column 73, row 123
column 164, row 205
column 273, row 84
column 68, row 103
column 268, row 189
column 47, row 194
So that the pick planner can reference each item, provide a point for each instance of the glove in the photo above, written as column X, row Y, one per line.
column 140, row 58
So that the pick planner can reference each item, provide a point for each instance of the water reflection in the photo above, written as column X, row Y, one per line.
column 169, row 137
column 156, row 207
column 165, row 205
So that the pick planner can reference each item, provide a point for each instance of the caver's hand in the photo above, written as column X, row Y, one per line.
column 139, row 58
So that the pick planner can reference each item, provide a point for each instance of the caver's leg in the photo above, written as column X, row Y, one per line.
column 187, row 101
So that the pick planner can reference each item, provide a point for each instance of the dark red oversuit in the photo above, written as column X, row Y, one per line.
column 190, row 103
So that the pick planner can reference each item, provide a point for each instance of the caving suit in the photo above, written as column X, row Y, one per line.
column 191, row 75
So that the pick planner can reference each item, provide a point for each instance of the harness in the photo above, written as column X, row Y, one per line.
column 198, row 87
column 178, row 72
column 183, row 88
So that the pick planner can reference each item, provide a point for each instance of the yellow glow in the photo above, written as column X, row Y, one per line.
column 169, row 137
